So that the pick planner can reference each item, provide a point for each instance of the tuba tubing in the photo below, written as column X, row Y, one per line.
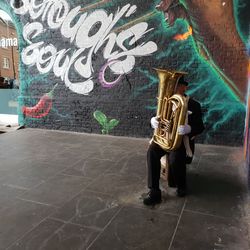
column 171, row 110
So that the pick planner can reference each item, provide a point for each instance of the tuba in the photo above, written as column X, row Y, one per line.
column 171, row 110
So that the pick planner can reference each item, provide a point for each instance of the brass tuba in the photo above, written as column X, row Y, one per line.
column 171, row 110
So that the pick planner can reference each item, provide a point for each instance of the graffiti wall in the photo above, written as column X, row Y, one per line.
column 247, row 122
column 87, row 65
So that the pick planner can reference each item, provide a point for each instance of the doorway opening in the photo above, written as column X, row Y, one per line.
column 9, row 75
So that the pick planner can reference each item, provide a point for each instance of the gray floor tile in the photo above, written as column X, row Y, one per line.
column 225, row 164
column 9, row 194
column 215, row 194
column 121, row 187
column 90, row 167
column 12, row 163
column 30, row 176
column 57, row 190
column 135, row 228
column 19, row 218
column 136, row 146
column 109, row 153
column 87, row 190
column 54, row 235
column 88, row 209
column 197, row 231
column 130, row 164
column 38, row 237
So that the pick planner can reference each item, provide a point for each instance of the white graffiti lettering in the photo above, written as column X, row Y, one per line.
column 89, row 33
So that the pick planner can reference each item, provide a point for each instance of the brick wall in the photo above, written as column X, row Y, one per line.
column 98, row 58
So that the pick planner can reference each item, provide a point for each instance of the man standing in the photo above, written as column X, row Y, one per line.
column 177, row 159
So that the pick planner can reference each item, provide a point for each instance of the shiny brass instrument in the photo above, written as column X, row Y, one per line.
column 171, row 110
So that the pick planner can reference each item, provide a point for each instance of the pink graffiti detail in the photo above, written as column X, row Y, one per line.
column 101, row 77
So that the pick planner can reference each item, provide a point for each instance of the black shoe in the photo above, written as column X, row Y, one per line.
column 181, row 192
column 153, row 197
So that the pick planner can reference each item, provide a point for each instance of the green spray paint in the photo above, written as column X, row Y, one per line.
column 103, row 121
column 220, row 103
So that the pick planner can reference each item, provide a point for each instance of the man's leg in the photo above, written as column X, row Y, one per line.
column 154, row 154
column 177, row 169
column 171, row 176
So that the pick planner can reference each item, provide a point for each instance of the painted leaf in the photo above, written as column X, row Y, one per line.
column 112, row 123
column 100, row 117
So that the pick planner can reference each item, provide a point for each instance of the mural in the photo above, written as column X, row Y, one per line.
column 77, row 27
column 103, row 121
column 42, row 108
column 100, row 56
column 211, row 41
column 247, row 122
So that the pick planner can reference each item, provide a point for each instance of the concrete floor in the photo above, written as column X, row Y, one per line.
column 68, row 191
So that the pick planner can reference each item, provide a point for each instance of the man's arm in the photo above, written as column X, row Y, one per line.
column 195, row 120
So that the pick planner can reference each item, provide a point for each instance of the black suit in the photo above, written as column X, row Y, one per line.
column 177, row 158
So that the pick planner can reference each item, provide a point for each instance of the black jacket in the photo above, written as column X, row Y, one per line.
column 196, row 123
column 195, row 118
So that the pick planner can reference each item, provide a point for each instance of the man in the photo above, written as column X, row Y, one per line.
column 178, row 158
column 1, row 82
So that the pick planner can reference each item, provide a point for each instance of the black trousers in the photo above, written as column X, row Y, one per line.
column 177, row 166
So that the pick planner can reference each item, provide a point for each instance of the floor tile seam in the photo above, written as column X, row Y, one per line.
column 88, row 134
column 41, row 183
column 96, row 192
column 128, row 175
column 111, row 173
column 93, row 158
column 177, row 224
column 93, row 180
column 35, row 186
column 47, row 179
column 89, row 158
column 39, row 203
column 70, row 220
column 78, row 193
column 16, row 187
column 94, row 228
column 92, row 190
column 110, row 221
column 66, row 168
column 218, row 168
column 151, row 209
column 55, row 232
column 123, row 162
column 123, row 158
column 106, row 159
column 29, row 231
column 207, row 214
column 98, row 212
column 17, row 170
column 89, row 151
column 79, row 160
column 72, row 175
column 75, row 224
column 198, row 163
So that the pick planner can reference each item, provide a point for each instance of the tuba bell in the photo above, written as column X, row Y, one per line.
column 171, row 110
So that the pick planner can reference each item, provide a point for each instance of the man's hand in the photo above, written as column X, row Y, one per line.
column 184, row 129
column 154, row 122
